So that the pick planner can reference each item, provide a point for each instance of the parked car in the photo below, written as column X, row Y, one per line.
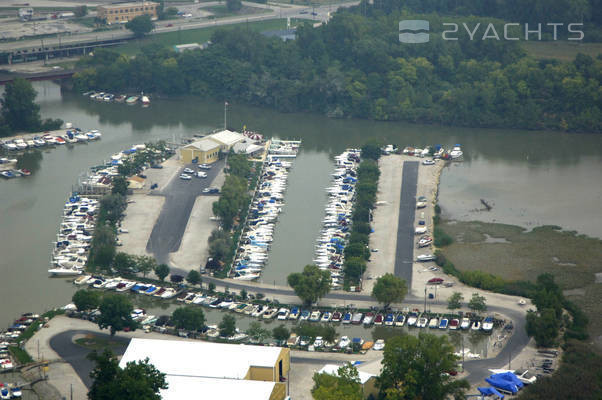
column 204, row 166
column 185, row 177
column 379, row 345
column 188, row 171
column 428, row 162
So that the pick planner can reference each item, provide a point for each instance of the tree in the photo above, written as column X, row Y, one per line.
column 81, row 11
column 257, row 333
column 477, row 303
column 227, row 327
column 414, row 368
column 243, row 294
column 193, row 277
column 120, row 185
column 115, row 314
column 124, row 263
column 280, row 333
column 145, row 264
column 211, row 287
column 139, row 380
column 543, row 326
column 239, row 165
column 233, row 5
column 102, row 248
column 162, row 270
column 86, row 300
column 344, row 385
column 189, row 318
column 141, row 25
column 371, row 150
column 310, row 285
column 389, row 289
column 19, row 110
column 455, row 301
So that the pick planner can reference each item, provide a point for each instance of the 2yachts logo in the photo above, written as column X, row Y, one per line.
column 417, row 31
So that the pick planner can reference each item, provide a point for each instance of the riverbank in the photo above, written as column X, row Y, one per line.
column 574, row 260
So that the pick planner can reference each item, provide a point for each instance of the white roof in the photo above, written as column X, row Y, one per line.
column 227, row 137
column 333, row 369
column 204, row 144
column 246, row 148
column 201, row 359
column 185, row 388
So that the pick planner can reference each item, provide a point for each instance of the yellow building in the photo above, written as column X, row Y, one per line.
column 124, row 12
column 204, row 370
column 204, row 151
column 367, row 380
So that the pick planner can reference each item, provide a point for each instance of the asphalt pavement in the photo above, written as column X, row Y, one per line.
column 180, row 196
column 404, row 257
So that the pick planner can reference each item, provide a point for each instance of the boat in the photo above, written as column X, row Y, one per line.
column 294, row 314
column 488, row 324
column 400, row 320
column 434, row 323
column 456, row 152
column 336, row 317
column 389, row 319
column 378, row 319
column 304, row 315
column 412, row 319
column 315, row 316
column 259, row 311
column 120, row 99
column 344, row 342
column 367, row 345
column 422, row 322
column 465, row 324
column 132, row 100
column 369, row 318
column 476, row 326
column 283, row 314
column 144, row 100
column 426, row 257
column 357, row 318
column 443, row 323
column 425, row 241
column 64, row 271
column 454, row 324
column 82, row 279
column 326, row 316
column 347, row 318
column 270, row 313
column 379, row 345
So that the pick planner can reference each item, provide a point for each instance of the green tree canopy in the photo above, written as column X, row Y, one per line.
column 455, row 301
column 120, row 185
column 141, row 25
column 543, row 326
column 389, row 289
column 477, row 303
column 116, row 313
column 162, row 270
column 193, row 277
column 345, row 385
column 371, row 150
column 414, row 368
column 102, row 248
column 86, row 300
column 19, row 110
column 311, row 284
column 280, row 333
column 239, row 165
column 257, row 333
column 124, row 263
column 227, row 327
column 145, row 264
column 189, row 318
column 139, row 380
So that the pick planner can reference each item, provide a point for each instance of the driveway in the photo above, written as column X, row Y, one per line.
column 404, row 257
column 180, row 196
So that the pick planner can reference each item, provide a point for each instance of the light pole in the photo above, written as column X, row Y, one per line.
column 225, row 115
column 424, row 298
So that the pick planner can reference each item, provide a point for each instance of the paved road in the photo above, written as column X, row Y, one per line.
column 180, row 196
column 76, row 355
column 404, row 256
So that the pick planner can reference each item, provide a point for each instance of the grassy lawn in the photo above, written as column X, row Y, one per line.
column 20, row 355
column 99, row 343
column 221, row 11
column 561, row 50
column 512, row 253
column 196, row 35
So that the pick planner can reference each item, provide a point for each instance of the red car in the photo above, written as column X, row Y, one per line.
column 435, row 281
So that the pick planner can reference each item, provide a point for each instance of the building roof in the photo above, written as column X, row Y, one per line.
column 246, row 148
column 130, row 4
column 333, row 369
column 205, row 144
column 184, row 388
column 227, row 138
column 201, row 359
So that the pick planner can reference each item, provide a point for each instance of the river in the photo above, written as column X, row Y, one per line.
column 532, row 178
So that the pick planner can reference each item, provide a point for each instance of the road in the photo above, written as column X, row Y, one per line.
column 290, row 11
column 180, row 196
column 404, row 257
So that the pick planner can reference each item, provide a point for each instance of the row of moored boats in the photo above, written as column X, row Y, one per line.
column 121, row 98
column 252, row 253
column 70, row 136
column 337, row 220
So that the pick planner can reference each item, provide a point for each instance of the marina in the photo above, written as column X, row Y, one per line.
column 107, row 97
column 266, row 205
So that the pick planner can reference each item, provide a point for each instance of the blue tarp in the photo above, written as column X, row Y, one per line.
column 506, row 381
column 489, row 391
column 510, row 377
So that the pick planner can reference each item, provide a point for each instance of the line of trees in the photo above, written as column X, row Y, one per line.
column 115, row 310
column 355, row 66
column 19, row 111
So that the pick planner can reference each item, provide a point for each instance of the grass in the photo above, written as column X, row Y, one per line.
column 20, row 355
column 573, row 259
column 195, row 35
column 98, row 343
column 31, row 329
column 221, row 11
column 561, row 50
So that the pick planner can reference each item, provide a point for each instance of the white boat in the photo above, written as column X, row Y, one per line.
column 476, row 326
column 421, row 230
column 426, row 257
column 283, row 314
column 488, row 324
column 422, row 322
column 465, row 324
column 247, row 277
column 144, row 100
column 456, row 152
column 64, row 271
column 434, row 323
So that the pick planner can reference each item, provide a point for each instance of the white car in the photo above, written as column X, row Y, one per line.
column 188, row 171
column 428, row 162
column 204, row 166
column 185, row 177
column 201, row 174
column 379, row 345
column 344, row 342
column 319, row 342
